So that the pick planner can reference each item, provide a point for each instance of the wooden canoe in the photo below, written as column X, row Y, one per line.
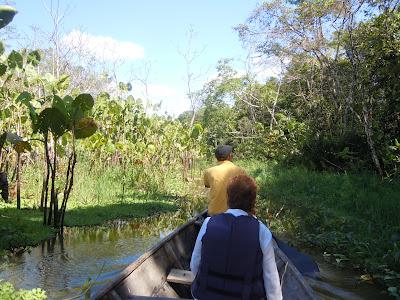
column 146, row 278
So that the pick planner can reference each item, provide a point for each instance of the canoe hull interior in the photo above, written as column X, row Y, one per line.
column 147, row 277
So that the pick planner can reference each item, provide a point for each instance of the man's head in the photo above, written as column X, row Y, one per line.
column 223, row 152
column 242, row 192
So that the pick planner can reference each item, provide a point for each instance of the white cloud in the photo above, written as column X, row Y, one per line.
column 103, row 47
column 173, row 101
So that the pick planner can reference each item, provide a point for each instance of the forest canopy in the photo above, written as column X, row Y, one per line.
column 335, row 103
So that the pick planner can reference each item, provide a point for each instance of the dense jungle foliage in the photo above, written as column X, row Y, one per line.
column 334, row 106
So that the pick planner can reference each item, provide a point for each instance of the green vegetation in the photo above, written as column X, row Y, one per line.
column 7, row 292
column 353, row 218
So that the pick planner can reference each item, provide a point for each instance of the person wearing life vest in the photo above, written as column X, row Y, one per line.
column 233, row 257
column 217, row 177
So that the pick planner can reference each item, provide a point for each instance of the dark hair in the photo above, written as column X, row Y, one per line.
column 242, row 192
column 222, row 152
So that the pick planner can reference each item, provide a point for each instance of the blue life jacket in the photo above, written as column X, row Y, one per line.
column 231, row 260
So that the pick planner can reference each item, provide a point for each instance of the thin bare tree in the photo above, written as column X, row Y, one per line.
column 190, row 55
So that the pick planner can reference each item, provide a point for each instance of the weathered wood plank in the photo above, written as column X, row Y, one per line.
column 172, row 254
column 180, row 276
column 167, row 291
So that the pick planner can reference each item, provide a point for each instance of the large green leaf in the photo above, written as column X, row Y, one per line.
column 68, row 104
column 71, row 113
column 7, row 14
column 3, row 69
column 24, row 97
column 84, row 101
column 61, row 105
column 63, row 83
column 15, row 60
column 68, row 101
column 5, row 113
column 34, row 58
column 196, row 130
column 85, row 127
column 34, row 117
column 51, row 119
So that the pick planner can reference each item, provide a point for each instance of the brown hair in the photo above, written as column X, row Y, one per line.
column 242, row 192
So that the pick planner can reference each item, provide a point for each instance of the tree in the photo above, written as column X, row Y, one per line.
column 190, row 55
column 327, row 83
column 373, row 49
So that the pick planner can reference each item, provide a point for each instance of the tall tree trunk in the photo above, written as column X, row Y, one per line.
column 69, row 182
column 45, row 190
column 273, row 120
column 68, row 187
column 193, row 118
column 45, row 182
column 18, row 181
column 369, row 133
column 53, row 195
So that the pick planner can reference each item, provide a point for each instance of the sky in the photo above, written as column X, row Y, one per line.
column 149, row 32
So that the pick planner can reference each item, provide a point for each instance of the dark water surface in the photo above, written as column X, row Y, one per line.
column 335, row 282
column 61, row 266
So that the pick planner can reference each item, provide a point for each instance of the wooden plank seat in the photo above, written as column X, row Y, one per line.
column 180, row 276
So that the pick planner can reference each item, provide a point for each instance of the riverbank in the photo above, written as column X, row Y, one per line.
column 352, row 218
column 96, row 199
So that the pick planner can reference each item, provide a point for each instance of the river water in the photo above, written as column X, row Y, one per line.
column 89, row 257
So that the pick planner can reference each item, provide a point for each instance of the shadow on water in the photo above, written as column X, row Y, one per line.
column 21, row 227
column 90, row 215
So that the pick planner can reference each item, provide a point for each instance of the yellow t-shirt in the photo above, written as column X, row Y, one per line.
column 217, row 178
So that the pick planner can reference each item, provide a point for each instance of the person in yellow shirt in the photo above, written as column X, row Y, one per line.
column 216, row 178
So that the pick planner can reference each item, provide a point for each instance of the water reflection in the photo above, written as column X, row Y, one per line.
column 62, row 265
